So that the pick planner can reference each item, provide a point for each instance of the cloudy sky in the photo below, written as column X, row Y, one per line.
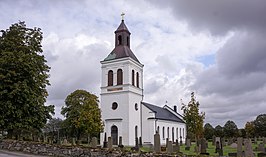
column 216, row 49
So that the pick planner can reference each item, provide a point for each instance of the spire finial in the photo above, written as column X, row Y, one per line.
column 123, row 16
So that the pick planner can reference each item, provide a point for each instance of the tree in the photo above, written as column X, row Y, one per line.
column 260, row 125
column 194, row 120
column 250, row 129
column 230, row 129
column 208, row 131
column 219, row 131
column 82, row 113
column 53, row 127
column 23, row 80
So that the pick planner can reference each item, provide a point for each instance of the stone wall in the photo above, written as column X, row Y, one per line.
column 59, row 150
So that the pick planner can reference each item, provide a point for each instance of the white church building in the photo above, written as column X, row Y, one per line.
column 124, row 112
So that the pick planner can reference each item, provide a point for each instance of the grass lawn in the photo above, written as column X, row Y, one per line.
column 210, row 149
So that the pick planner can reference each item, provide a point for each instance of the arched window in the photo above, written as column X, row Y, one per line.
column 119, row 40
column 158, row 130
column 119, row 77
column 137, row 79
column 110, row 78
column 163, row 133
column 168, row 133
column 133, row 77
column 183, row 132
column 180, row 134
column 177, row 133
column 173, row 134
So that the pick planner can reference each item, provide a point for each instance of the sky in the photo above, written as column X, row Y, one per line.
column 213, row 48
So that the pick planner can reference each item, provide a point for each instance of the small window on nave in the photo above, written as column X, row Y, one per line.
column 119, row 40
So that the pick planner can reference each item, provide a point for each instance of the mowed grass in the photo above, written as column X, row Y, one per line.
column 210, row 149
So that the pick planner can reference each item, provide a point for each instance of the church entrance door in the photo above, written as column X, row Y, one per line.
column 114, row 134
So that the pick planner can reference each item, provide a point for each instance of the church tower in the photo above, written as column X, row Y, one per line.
column 122, row 90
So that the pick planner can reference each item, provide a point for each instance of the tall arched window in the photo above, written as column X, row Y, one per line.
column 110, row 78
column 137, row 79
column 158, row 130
column 168, row 133
column 173, row 134
column 177, row 133
column 163, row 133
column 119, row 77
column 119, row 40
column 180, row 134
column 183, row 132
column 133, row 77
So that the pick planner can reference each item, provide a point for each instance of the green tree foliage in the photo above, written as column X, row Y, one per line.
column 23, row 79
column 230, row 129
column 82, row 113
column 250, row 129
column 193, row 118
column 208, row 131
column 219, row 131
column 260, row 125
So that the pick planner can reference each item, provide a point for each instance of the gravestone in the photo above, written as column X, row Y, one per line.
column 213, row 140
column 157, row 143
column 248, row 148
column 188, row 144
column 181, row 141
column 110, row 143
column 166, row 142
column 176, row 147
column 65, row 142
column 232, row 154
column 105, row 141
column 261, row 148
column 207, row 144
column 140, row 142
column 169, row 148
column 239, row 146
column 255, row 140
column 230, row 141
column 73, row 142
column 203, row 145
column 120, row 144
column 94, row 142
column 217, row 146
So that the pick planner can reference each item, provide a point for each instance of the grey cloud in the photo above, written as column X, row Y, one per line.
column 219, row 16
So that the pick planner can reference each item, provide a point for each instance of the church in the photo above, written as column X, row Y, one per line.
column 124, row 113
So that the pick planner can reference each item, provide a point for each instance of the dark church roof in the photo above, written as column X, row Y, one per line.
column 122, row 27
column 121, row 50
column 163, row 113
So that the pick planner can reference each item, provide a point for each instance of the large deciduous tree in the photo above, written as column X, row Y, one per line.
column 260, row 125
column 193, row 118
column 208, row 131
column 250, row 129
column 82, row 113
column 219, row 131
column 23, row 80
column 230, row 129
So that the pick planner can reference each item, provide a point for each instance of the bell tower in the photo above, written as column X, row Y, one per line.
column 121, row 90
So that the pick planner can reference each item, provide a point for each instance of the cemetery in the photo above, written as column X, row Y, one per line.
column 233, row 147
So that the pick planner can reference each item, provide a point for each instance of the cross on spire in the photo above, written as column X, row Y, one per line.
column 123, row 15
